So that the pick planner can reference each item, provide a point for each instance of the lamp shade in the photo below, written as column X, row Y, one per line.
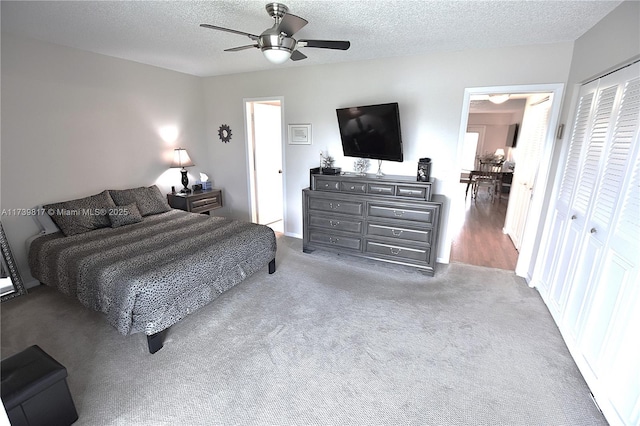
column 181, row 158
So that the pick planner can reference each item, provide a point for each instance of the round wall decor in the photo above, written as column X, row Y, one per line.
column 224, row 133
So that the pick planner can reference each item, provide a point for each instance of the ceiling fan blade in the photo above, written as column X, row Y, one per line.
column 213, row 27
column 237, row 49
column 325, row 44
column 297, row 55
column 291, row 24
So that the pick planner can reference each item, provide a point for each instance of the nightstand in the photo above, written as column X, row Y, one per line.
column 197, row 201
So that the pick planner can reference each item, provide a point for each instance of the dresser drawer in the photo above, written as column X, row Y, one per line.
column 327, row 185
column 425, row 214
column 381, row 189
column 400, row 232
column 347, row 225
column 398, row 252
column 419, row 192
column 328, row 239
column 353, row 187
column 336, row 206
column 209, row 201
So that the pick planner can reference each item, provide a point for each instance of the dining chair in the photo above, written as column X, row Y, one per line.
column 487, row 175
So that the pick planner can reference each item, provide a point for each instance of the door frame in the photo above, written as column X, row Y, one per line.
column 249, row 157
column 535, row 220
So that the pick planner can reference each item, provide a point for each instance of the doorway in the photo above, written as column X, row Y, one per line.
column 264, row 123
column 491, row 222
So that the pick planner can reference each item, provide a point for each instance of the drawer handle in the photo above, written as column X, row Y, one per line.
column 593, row 230
column 395, row 250
column 398, row 213
column 334, row 223
column 326, row 185
column 353, row 187
column 396, row 232
column 334, row 206
column 574, row 217
column 204, row 202
column 333, row 240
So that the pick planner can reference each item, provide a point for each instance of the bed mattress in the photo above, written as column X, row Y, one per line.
column 147, row 276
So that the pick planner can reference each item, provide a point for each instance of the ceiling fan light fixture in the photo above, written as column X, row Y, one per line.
column 277, row 56
column 499, row 99
column 277, row 43
column 276, row 48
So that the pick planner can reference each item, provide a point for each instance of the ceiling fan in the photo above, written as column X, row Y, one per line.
column 277, row 43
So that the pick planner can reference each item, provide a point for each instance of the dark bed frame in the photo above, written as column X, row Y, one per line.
column 156, row 341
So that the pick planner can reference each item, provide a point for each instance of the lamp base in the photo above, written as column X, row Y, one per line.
column 185, row 182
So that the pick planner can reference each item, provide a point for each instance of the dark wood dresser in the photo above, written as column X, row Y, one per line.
column 392, row 219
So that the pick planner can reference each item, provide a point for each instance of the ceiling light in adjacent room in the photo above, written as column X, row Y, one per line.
column 499, row 99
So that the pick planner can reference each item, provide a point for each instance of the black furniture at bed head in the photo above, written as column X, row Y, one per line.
column 35, row 391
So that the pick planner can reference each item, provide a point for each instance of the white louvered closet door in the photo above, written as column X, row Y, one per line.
column 592, row 257
column 609, row 332
column 561, row 241
column 584, row 255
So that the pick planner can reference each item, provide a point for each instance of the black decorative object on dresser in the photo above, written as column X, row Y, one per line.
column 392, row 219
column 203, row 201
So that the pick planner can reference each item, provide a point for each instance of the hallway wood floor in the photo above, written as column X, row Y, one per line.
column 480, row 240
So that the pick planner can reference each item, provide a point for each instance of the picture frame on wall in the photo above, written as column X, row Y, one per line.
column 299, row 134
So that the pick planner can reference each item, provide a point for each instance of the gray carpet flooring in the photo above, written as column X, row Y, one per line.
column 326, row 340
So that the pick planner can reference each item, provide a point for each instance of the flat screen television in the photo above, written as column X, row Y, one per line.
column 371, row 131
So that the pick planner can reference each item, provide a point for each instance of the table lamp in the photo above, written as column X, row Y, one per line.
column 181, row 159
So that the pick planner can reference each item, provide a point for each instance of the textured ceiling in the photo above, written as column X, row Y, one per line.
column 167, row 33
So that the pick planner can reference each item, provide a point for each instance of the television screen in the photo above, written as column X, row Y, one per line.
column 371, row 131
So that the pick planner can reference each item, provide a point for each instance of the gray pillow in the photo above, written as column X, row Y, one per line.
column 81, row 215
column 149, row 200
column 124, row 215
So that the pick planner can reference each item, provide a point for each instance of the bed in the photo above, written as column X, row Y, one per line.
column 149, row 268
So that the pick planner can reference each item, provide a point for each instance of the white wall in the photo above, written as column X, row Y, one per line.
column 612, row 41
column 496, row 129
column 429, row 90
column 75, row 123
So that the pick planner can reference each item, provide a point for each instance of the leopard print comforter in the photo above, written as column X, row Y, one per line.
column 147, row 276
